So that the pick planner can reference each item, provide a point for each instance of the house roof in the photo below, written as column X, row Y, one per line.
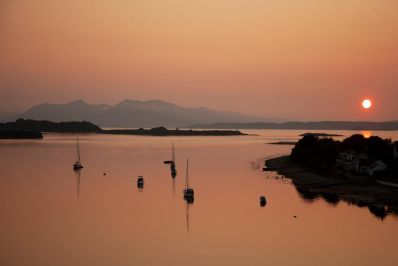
column 366, row 162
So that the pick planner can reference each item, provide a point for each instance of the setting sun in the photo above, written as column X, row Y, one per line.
column 366, row 103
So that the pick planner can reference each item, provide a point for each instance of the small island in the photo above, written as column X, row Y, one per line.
column 361, row 171
column 162, row 131
column 33, row 129
column 283, row 143
column 317, row 134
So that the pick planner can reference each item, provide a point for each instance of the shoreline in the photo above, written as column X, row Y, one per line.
column 162, row 131
column 361, row 191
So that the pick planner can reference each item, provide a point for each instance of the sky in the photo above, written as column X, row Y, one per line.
column 279, row 59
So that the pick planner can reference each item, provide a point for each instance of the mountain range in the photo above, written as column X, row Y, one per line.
column 155, row 113
column 131, row 113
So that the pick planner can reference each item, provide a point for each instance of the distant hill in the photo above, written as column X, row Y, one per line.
column 323, row 125
column 133, row 114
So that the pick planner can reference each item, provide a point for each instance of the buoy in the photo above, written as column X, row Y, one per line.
column 263, row 201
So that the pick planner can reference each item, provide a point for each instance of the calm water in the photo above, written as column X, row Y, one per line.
column 52, row 216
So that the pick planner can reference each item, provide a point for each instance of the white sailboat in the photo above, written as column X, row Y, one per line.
column 77, row 165
column 188, row 191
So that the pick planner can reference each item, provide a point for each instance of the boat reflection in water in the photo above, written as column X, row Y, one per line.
column 173, row 186
column 77, row 175
column 187, row 206
column 379, row 208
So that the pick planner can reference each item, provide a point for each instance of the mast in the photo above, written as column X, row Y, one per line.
column 78, row 149
column 172, row 152
column 186, row 178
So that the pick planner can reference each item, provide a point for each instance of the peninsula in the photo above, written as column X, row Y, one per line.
column 361, row 171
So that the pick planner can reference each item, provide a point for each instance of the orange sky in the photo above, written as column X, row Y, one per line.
column 292, row 59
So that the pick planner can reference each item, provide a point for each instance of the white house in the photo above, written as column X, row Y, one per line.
column 370, row 166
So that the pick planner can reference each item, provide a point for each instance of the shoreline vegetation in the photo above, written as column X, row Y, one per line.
column 31, row 129
column 319, row 168
column 20, row 135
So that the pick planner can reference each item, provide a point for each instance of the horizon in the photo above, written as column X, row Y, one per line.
column 291, row 61
column 261, row 119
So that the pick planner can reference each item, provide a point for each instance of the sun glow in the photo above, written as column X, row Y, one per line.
column 366, row 103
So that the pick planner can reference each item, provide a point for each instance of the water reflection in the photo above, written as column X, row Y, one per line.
column 173, row 186
column 120, row 219
column 367, row 134
column 379, row 207
column 188, row 203
column 77, row 175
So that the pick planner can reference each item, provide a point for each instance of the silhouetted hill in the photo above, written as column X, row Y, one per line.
column 22, row 125
column 323, row 125
column 132, row 113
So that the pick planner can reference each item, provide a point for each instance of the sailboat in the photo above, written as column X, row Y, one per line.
column 173, row 162
column 188, row 191
column 77, row 165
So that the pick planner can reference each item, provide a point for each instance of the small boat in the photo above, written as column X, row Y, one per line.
column 77, row 165
column 263, row 201
column 188, row 191
column 140, row 181
column 168, row 162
